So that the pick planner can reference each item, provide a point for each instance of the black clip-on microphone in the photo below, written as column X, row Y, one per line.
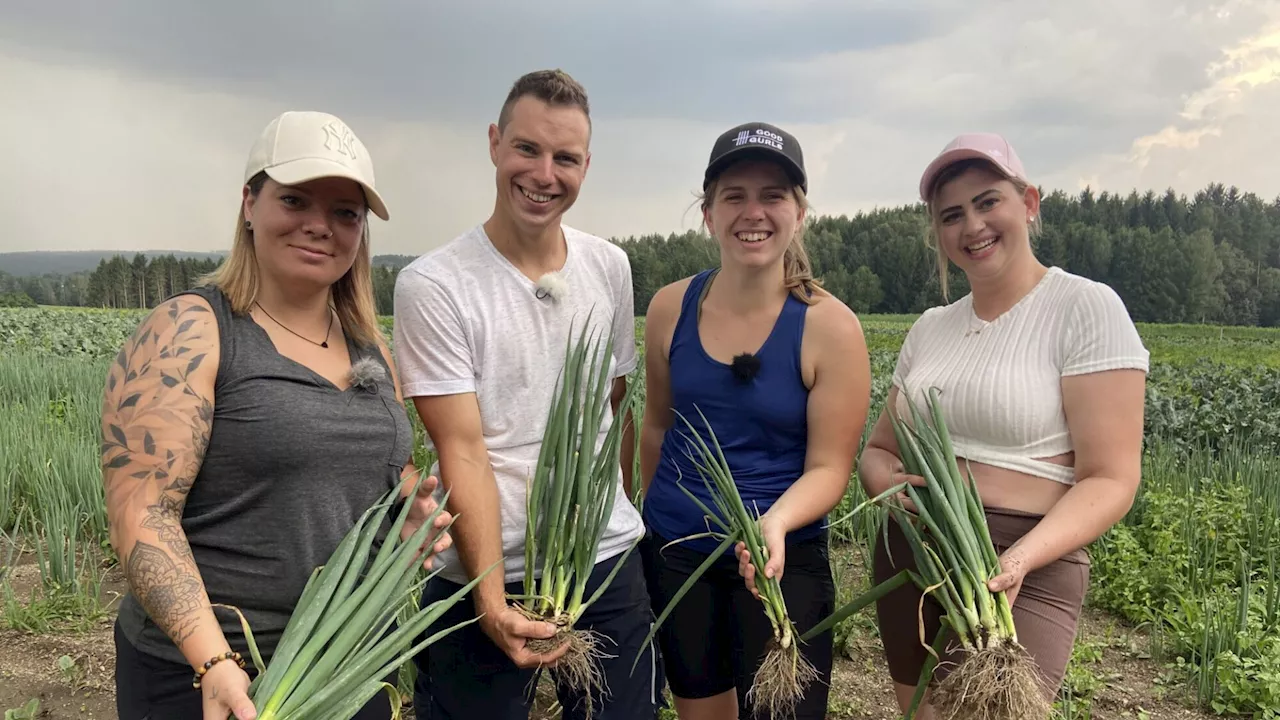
column 745, row 366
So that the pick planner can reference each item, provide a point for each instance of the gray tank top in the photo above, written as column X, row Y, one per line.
column 291, row 465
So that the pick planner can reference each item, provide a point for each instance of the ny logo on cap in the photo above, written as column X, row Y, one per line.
column 337, row 133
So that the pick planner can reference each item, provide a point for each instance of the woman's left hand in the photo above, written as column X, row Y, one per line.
column 775, row 542
column 1013, row 568
column 422, row 505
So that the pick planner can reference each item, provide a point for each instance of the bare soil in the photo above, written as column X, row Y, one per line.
column 1122, row 681
column 29, row 661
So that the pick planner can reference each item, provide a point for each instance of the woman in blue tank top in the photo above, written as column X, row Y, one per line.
column 779, row 368
column 246, row 425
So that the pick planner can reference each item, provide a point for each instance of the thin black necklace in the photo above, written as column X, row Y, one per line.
column 324, row 344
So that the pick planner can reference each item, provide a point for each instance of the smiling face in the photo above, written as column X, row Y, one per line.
column 982, row 220
column 541, row 158
column 752, row 211
column 307, row 233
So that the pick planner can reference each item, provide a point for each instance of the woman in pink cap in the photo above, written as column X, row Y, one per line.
column 1042, row 377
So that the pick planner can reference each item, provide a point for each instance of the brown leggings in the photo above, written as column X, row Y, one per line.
column 1045, row 612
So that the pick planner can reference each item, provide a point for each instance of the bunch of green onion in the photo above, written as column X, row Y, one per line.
column 784, row 673
column 569, row 502
column 339, row 647
column 955, row 558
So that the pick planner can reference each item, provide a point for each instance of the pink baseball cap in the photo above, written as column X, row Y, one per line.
column 981, row 146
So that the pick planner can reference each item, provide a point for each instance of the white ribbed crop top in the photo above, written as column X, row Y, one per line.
column 999, row 382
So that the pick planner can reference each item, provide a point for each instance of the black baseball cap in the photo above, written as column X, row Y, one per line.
column 757, row 139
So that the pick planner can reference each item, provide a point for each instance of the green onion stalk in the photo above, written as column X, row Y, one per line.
column 784, row 672
column 569, row 501
column 339, row 646
column 996, row 679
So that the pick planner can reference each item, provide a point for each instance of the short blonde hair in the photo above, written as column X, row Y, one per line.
column 352, row 294
column 797, row 272
column 946, row 175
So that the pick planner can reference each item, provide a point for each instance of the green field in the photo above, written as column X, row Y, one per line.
column 1191, row 571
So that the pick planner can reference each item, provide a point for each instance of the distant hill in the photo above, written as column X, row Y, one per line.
column 65, row 262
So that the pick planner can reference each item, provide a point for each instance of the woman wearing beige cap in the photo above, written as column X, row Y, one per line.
column 247, row 424
column 1041, row 376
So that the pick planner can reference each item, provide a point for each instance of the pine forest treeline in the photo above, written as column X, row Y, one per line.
column 1214, row 258
column 119, row 282
column 1211, row 258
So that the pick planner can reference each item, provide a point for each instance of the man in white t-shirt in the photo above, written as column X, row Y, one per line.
column 481, row 325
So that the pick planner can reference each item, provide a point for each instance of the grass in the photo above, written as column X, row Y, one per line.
column 1195, row 560
column 51, row 502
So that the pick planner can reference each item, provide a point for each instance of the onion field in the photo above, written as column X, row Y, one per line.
column 1183, row 614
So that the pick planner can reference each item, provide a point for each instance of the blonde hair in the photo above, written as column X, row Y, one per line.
column 797, row 272
column 949, row 173
column 352, row 295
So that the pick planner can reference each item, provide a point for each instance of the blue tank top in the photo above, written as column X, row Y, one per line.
column 761, row 424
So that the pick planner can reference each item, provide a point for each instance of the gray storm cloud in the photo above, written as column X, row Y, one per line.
column 127, row 123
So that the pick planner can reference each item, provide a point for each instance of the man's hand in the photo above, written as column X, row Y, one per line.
column 422, row 505
column 511, row 631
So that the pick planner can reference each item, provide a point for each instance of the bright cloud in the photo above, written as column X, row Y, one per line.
column 1222, row 133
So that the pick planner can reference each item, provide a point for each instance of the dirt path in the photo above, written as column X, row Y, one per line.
column 1111, row 666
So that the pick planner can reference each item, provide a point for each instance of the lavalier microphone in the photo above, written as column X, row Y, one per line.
column 551, row 285
column 745, row 366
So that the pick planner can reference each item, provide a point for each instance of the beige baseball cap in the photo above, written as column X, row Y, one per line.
column 300, row 146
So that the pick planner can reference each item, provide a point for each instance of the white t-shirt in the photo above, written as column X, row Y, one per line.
column 466, row 320
column 1000, row 382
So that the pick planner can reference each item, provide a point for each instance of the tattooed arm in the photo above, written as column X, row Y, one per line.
column 156, row 416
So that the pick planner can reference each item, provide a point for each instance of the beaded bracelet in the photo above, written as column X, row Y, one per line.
column 229, row 655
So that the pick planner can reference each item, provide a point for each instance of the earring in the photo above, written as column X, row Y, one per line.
column 248, row 225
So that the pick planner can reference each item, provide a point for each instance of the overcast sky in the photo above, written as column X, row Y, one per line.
column 126, row 124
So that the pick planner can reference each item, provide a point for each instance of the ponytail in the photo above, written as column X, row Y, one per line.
column 797, row 273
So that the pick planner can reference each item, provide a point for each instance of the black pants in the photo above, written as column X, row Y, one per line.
column 464, row 676
column 149, row 688
column 715, row 637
